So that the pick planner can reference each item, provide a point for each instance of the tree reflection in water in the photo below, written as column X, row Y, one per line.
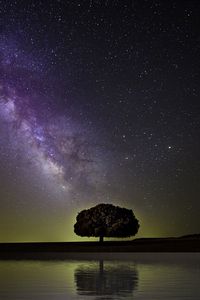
column 106, row 279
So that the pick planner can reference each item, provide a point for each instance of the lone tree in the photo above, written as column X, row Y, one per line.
column 106, row 220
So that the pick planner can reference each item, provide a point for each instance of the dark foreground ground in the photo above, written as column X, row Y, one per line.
column 51, row 250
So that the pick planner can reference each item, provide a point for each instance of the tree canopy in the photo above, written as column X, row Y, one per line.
column 106, row 220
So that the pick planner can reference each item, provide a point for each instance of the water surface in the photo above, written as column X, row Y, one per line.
column 103, row 276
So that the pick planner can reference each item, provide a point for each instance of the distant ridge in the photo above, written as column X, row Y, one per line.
column 190, row 236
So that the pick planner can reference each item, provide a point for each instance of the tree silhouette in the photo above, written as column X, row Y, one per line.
column 106, row 220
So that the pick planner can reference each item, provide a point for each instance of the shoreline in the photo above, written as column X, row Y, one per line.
column 138, row 257
column 56, row 249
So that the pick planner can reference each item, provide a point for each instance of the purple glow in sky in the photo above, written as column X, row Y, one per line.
column 56, row 147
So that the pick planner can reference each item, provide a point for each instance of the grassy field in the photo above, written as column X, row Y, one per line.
column 182, row 244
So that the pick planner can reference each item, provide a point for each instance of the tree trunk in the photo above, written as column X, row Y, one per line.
column 101, row 239
column 101, row 267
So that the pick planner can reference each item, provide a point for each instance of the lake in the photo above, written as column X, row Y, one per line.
column 103, row 276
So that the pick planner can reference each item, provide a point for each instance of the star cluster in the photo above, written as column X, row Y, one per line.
column 99, row 102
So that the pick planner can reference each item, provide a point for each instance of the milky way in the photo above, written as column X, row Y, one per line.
column 61, row 150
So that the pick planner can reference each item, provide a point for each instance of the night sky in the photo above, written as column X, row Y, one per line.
column 99, row 102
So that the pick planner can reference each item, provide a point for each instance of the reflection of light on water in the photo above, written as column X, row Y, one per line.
column 152, row 276
column 67, row 278
column 106, row 279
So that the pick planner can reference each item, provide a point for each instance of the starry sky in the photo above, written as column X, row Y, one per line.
column 99, row 102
